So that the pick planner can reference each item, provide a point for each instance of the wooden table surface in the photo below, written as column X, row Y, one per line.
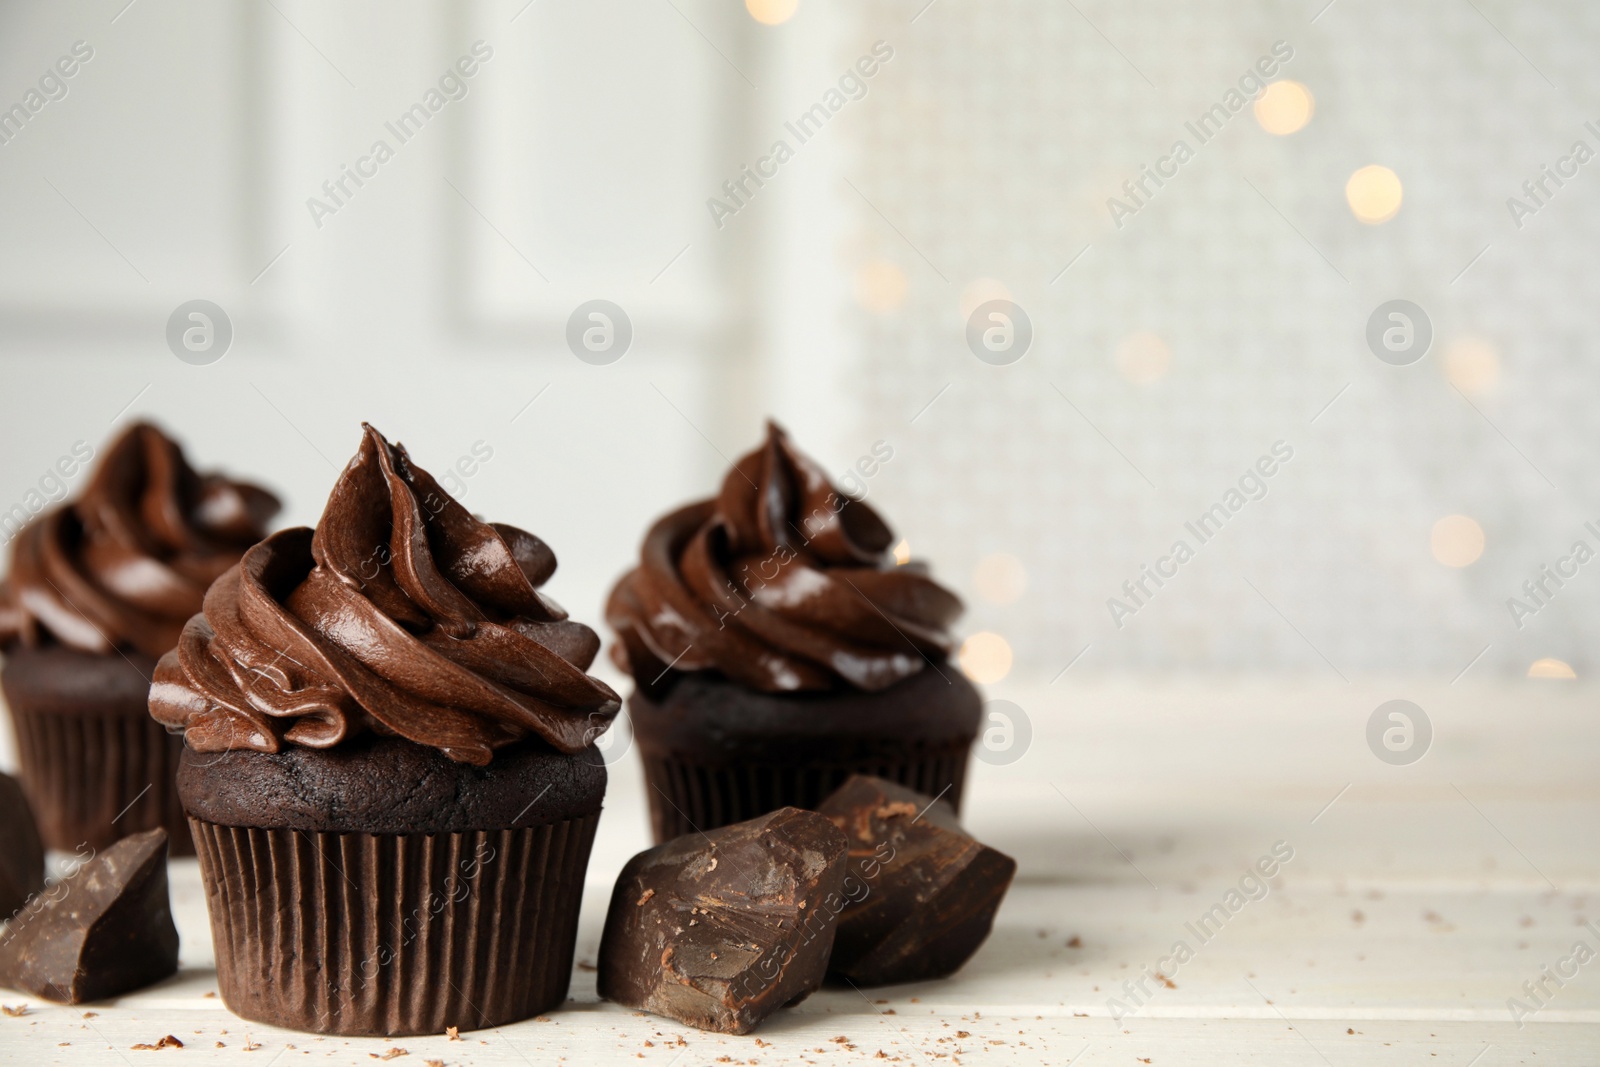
column 1418, row 901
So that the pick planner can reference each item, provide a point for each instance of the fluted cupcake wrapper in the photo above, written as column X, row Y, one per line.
column 95, row 778
column 687, row 795
column 394, row 934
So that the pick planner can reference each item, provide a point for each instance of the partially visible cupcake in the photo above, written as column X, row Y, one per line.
column 99, row 588
column 389, row 766
column 778, row 648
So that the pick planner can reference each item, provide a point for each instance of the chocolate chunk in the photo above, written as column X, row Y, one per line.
column 103, row 930
column 921, row 892
column 719, row 930
column 21, row 851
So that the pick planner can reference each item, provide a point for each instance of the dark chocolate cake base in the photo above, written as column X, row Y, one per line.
column 96, row 767
column 393, row 934
column 715, row 753
column 380, row 888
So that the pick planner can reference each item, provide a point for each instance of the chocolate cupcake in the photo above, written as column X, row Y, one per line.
column 778, row 649
column 99, row 588
column 389, row 766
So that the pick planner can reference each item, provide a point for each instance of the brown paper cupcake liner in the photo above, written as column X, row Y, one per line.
column 394, row 934
column 686, row 796
column 96, row 778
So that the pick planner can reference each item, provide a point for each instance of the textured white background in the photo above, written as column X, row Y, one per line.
column 179, row 165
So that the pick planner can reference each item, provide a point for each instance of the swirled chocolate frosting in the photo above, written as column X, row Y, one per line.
column 781, row 583
column 401, row 614
column 125, row 565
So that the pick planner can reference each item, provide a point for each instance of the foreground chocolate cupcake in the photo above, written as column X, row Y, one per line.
column 99, row 588
column 778, row 649
column 389, row 769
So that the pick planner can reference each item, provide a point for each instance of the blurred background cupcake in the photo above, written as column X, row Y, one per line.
column 779, row 646
column 99, row 587
column 389, row 768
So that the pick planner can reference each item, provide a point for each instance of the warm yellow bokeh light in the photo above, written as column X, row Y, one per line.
column 1374, row 193
column 902, row 553
column 880, row 286
column 1551, row 668
column 1143, row 357
column 1457, row 541
column 771, row 12
column 1285, row 107
column 985, row 658
column 1471, row 364
column 981, row 291
column 1000, row 578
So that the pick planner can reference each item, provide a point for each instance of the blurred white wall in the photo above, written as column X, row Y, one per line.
column 1169, row 353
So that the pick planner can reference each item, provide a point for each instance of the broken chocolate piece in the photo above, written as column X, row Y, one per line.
column 921, row 892
column 719, row 930
column 21, row 851
column 105, row 929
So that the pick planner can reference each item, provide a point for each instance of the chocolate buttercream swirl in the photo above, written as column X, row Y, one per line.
column 781, row 583
column 125, row 565
column 401, row 614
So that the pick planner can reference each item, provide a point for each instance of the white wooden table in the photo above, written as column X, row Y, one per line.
column 1416, row 904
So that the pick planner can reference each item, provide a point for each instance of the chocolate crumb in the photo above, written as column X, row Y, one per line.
column 18, row 1011
column 1074, row 941
column 453, row 1033
column 644, row 898
column 166, row 1042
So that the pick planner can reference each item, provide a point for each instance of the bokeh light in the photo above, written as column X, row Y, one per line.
column 1143, row 357
column 881, row 286
column 771, row 12
column 1374, row 193
column 1285, row 106
column 1457, row 541
column 1472, row 365
column 1550, row 667
column 1000, row 578
column 985, row 657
